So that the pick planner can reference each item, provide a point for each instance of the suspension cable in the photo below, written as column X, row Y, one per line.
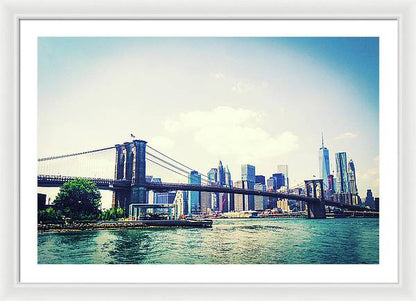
column 177, row 172
column 183, row 165
column 168, row 163
column 74, row 154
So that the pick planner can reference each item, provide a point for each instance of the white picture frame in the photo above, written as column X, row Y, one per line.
column 12, row 13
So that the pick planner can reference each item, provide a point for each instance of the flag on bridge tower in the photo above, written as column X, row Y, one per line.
column 132, row 136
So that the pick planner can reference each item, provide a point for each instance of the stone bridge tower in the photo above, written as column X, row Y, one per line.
column 130, row 165
column 314, row 189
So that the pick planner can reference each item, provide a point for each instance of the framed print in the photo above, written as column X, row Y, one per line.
column 249, row 153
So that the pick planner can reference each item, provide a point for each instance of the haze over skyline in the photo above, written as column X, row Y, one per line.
column 262, row 101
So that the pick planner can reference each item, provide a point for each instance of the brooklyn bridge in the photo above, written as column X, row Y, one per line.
column 130, row 184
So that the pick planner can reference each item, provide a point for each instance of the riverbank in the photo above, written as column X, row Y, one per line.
column 120, row 225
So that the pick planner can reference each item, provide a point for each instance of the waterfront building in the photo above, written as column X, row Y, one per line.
column 223, row 205
column 205, row 203
column 228, row 180
column 377, row 203
column 260, row 202
column 221, row 174
column 324, row 164
column 300, row 204
column 151, row 196
column 238, row 198
column 369, row 200
column 284, row 169
column 260, row 179
column 194, row 202
column 248, row 174
column 283, row 204
column 164, row 197
column 214, row 201
column 271, row 183
column 331, row 184
column 343, row 185
column 213, row 176
column 179, row 203
column 351, row 177
column 279, row 180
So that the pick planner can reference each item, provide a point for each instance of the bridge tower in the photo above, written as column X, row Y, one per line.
column 130, row 165
column 314, row 188
column 138, row 190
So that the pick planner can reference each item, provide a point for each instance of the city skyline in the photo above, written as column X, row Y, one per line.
column 258, row 101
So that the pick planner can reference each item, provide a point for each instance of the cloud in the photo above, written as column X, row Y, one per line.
column 371, row 176
column 245, row 86
column 233, row 132
column 223, row 116
column 162, row 143
column 241, row 87
column 217, row 75
column 347, row 135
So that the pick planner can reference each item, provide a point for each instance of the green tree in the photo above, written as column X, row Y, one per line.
column 49, row 215
column 112, row 214
column 79, row 199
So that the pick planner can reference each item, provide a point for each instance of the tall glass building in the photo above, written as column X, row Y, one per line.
column 248, row 175
column 280, row 180
column 248, row 172
column 351, row 177
column 221, row 174
column 260, row 179
column 193, row 201
column 213, row 175
column 284, row 169
column 343, row 185
column 324, row 164
column 228, row 180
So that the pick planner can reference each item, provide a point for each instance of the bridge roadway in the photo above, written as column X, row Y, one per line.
column 112, row 184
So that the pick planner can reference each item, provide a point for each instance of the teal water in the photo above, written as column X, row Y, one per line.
column 237, row 241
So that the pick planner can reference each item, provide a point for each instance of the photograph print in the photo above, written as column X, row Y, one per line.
column 208, row 150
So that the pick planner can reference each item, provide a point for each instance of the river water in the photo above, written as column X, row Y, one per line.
column 229, row 241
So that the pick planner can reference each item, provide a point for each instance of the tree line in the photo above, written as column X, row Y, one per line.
column 78, row 200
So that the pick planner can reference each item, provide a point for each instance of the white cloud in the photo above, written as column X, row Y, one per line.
column 245, row 86
column 371, row 177
column 233, row 132
column 241, row 87
column 217, row 75
column 347, row 135
column 162, row 143
column 224, row 116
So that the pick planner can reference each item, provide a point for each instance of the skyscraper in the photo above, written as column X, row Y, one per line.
column 228, row 180
column 193, row 201
column 324, row 164
column 221, row 174
column 351, row 177
column 271, row 183
column 213, row 175
column 331, row 185
column 238, row 198
column 260, row 202
column 260, row 179
column 248, row 174
column 343, row 185
column 279, row 180
column 284, row 169
column 369, row 200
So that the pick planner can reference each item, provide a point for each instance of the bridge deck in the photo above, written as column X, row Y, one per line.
column 112, row 184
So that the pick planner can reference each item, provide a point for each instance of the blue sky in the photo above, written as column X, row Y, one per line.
column 263, row 101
